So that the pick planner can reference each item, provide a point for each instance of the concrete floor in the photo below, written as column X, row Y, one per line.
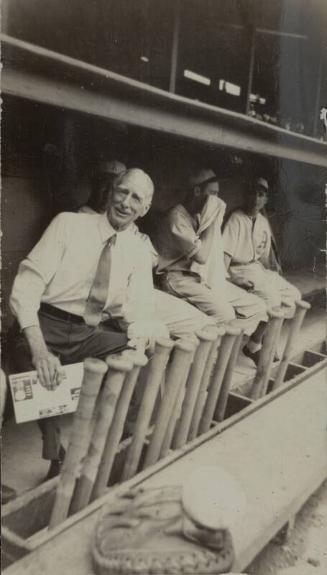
column 22, row 466
column 304, row 552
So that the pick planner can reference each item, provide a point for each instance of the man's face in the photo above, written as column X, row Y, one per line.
column 203, row 191
column 258, row 198
column 126, row 203
column 211, row 189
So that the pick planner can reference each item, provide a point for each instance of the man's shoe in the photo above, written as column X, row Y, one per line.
column 56, row 464
column 54, row 469
column 7, row 494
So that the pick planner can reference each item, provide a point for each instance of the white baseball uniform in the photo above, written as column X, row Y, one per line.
column 247, row 241
column 203, row 285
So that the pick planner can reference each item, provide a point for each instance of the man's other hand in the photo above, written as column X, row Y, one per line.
column 244, row 283
column 49, row 369
column 47, row 365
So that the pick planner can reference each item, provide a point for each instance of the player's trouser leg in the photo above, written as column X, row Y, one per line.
column 181, row 318
column 268, row 285
column 250, row 308
column 190, row 288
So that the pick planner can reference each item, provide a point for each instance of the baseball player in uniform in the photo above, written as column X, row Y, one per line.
column 247, row 246
column 191, row 262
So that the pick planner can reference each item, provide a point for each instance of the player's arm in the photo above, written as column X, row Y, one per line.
column 139, row 311
column 230, row 239
column 34, row 274
column 203, row 252
column 187, row 240
column 227, row 260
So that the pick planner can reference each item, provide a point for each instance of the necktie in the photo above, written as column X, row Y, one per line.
column 99, row 290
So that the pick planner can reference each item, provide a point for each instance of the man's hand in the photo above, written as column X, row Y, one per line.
column 143, row 333
column 206, row 237
column 49, row 369
column 139, row 344
column 244, row 283
column 47, row 365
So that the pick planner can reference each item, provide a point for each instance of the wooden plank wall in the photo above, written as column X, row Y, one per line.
column 25, row 206
column 35, row 162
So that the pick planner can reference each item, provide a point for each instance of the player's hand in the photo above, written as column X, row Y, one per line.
column 49, row 369
column 245, row 284
column 139, row 344
column 142, row 334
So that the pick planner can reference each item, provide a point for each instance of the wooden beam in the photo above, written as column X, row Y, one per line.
column 293, row 331
column 251, row 70
column 311, row 358
column 47, row 77
column 316, row 118
column 280, row 34
column 175, row 47
column 267, row 31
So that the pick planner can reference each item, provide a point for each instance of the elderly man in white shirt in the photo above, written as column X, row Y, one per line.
column 181, row 318
column 86, row 275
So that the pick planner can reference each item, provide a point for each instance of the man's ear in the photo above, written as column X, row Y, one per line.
column 197, row 190
column 145, row 210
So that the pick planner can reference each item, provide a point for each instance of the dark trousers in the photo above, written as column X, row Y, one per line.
column 70, row 342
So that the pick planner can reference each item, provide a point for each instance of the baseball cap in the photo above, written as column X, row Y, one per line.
column 112, row 167
column 202, row 177
column 262, row 182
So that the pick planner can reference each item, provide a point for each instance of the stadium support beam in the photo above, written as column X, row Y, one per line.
column 44, row 76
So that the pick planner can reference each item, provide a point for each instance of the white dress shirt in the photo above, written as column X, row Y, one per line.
column 61, row 268
column 154, row 254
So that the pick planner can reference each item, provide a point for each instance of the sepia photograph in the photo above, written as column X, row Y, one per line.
column 163, row 287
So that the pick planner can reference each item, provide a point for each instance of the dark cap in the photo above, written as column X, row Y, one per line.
column 262, row 183
column 202, row 177
column 112, row 167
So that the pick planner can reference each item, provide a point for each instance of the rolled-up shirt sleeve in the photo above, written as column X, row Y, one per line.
column 176, row 238
column 139, row 307
column 186, row 240
column 35, row 273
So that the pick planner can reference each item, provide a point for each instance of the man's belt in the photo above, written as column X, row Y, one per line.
column 189, row 273
column 63, row 315
column 60, row 314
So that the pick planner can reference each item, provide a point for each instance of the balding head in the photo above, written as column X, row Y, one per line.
column 130, row 199
column 139, row 180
